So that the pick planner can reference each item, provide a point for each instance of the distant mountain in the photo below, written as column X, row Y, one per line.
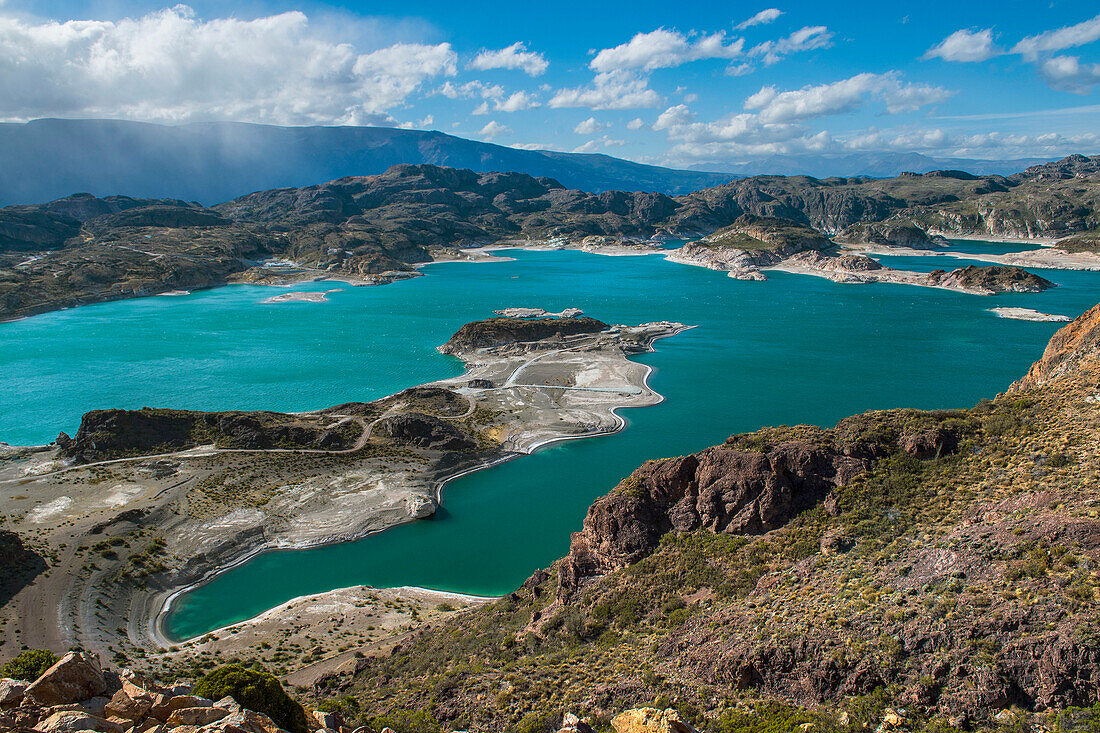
column 878, row 165
column 215, row 162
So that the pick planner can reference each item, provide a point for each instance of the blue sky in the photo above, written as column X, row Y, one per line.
column 664, row 82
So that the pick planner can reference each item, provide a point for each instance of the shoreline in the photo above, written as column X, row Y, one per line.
column 153, row 622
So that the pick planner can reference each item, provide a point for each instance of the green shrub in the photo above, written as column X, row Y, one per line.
column 256, row 690
column 405, row 721
column 29, row 665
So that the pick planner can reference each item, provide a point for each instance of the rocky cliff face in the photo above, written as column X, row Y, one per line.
column 727, row 489
column 1072, row 346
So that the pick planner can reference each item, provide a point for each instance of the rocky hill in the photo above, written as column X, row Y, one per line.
column 504, row 331
column 901, row 570
column 377, row 228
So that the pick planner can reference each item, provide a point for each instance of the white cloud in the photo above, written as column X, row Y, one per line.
column 516, row 102
column 493, row 129
column 589, row 127
column 597, row 144
column 964, row 45
column 172, row 66
column 663, row 49
column 1069, row 74
column 808, row 38
column 635, row 124
column 611, row 90
column 1066, row 73
column 842, row 96
column 762, row 18
column 494, row 97
column 1059, row 39
column 515, row 56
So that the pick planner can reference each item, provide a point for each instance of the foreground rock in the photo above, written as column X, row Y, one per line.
column 69, row 697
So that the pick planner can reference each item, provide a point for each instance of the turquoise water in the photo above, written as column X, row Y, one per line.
column 794, row 349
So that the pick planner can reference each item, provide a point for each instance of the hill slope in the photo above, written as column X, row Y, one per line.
column 942, row 563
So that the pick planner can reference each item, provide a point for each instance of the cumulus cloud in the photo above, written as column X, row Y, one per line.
column 808, row 38
column 761, row 18
column 842, row 96
column 964, row 45
column 173, row 66
column 595, row 145
column 610, row 90
column 1069, row 74
column 496, row 99
column 492, row 130
column 1059, row 39
column 589, row 127
column 635, row 124
column 515, row 56
column 1066, row 73
column 663, row 49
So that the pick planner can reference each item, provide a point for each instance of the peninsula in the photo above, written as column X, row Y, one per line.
column 138, row 504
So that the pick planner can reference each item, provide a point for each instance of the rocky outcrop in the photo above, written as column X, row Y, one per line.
column 890, row 234
column 76, row 676
column 726, row 489
column 1073, row 345
column 504, row 331
column 69, row 697
column 990, row 279
column 105, row 434
column 750, row 243
column 424, row 431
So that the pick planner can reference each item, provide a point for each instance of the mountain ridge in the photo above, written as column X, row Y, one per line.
column 217, row 161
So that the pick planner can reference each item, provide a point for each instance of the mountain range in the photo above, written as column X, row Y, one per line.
column 213, row 162
column 217, row 161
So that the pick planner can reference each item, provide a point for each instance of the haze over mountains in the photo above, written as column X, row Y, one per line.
column 213, row 162
column 878, row 165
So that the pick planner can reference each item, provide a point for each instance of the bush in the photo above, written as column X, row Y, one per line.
column 256, row 690
column 405, row 721
column 29, row 665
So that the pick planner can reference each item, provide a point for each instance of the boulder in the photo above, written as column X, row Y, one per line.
column 650, row 720
column 572, row 724
column 76, row 676
column 70, row 720
column 196, row 716
column 228, row 703
column 11, row 692
column 131, row 704
column 96, row 706
column 328, row 721
column 163, row 709
column 245, row 721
